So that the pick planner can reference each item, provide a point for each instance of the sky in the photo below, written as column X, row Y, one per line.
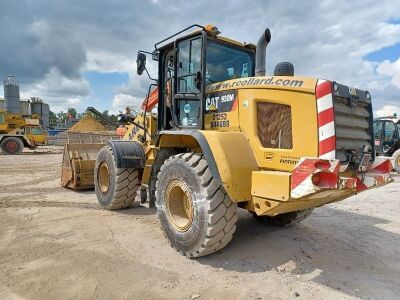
column 78, row 53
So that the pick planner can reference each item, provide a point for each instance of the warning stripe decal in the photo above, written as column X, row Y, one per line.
column 323, row 88
column 326, row 120
column 325, row 117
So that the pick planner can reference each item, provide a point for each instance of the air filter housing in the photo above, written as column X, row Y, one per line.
column 284, row 69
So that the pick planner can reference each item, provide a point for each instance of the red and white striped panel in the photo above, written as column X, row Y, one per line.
column 326, row 120
column 301, row 180
column 378, row 174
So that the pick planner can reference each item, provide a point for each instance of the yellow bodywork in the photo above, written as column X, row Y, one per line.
column 255, row 135
column 36, row 134
column 17, row 124
column 9, row 122
column 257, row 177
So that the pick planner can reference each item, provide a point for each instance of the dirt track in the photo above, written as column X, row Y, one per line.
column 57, row 244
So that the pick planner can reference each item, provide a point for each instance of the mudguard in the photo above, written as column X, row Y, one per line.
column 229, row 155
column 128, row 154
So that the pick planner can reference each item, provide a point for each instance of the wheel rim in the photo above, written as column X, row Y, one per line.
column 104, row 177
column 179, row 205
column 12, row 146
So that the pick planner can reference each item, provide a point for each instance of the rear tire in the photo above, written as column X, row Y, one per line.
column 12, row 146
column 116, row 188
column 396, row 161
column 286, row 219
column 196, row 214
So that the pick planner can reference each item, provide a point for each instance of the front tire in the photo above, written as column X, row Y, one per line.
column 196, row 214
column 115, row 188
column 12, row 146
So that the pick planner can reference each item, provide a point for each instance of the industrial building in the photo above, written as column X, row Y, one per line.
column 12, row 102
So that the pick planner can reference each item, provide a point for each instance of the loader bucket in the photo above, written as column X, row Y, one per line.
column 78, row 165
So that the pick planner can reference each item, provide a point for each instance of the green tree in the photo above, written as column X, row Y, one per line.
column 52, row 117
column 72, row 112
column 61, row 117
column 112, row 117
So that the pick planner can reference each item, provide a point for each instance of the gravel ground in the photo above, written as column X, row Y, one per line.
column 57, row 244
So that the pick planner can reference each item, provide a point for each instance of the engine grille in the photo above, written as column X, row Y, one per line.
column 274, row 132
column 353, row 121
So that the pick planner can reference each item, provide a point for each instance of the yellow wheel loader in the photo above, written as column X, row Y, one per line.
column 17, row 132
column 226, row 136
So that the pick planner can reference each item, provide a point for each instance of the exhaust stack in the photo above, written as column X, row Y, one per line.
column 261, row 52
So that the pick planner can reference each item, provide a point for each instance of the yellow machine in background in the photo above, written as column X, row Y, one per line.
column 228, row 136
column 79, row 159
column 17, row 132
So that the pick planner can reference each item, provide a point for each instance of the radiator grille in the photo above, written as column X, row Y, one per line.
column 353, row 128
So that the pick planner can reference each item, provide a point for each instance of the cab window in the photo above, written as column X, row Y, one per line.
column 189, row 63
column 36, row 130
column 389, row 131
column 378, row 129
column 226, row 62
column 2, row 118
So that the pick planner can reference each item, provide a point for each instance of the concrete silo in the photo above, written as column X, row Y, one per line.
column 11, row 95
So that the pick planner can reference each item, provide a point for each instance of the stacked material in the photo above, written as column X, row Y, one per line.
column 87, row 124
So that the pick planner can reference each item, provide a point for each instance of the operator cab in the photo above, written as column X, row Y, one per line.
column 188, row 65
column 387, row 134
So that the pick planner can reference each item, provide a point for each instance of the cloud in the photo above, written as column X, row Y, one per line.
column 105, row 62
column 327, row 39
column 121, row 101
column 63, row 91
column 31, row 48
column 387, row 110
column 386, row 68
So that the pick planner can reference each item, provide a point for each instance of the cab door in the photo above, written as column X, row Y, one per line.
column 36, row 134
column 188, row 83
column 390, row 136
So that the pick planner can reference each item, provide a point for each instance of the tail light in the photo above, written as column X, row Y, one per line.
column 324, row 180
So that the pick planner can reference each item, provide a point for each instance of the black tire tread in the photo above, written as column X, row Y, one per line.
column 11, row 138
column 286, row 219
column 222, row 212
column 126, row 185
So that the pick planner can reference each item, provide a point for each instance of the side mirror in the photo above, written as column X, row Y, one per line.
column 140, row 63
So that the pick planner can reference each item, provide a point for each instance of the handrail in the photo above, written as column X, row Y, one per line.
column 183, row 30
